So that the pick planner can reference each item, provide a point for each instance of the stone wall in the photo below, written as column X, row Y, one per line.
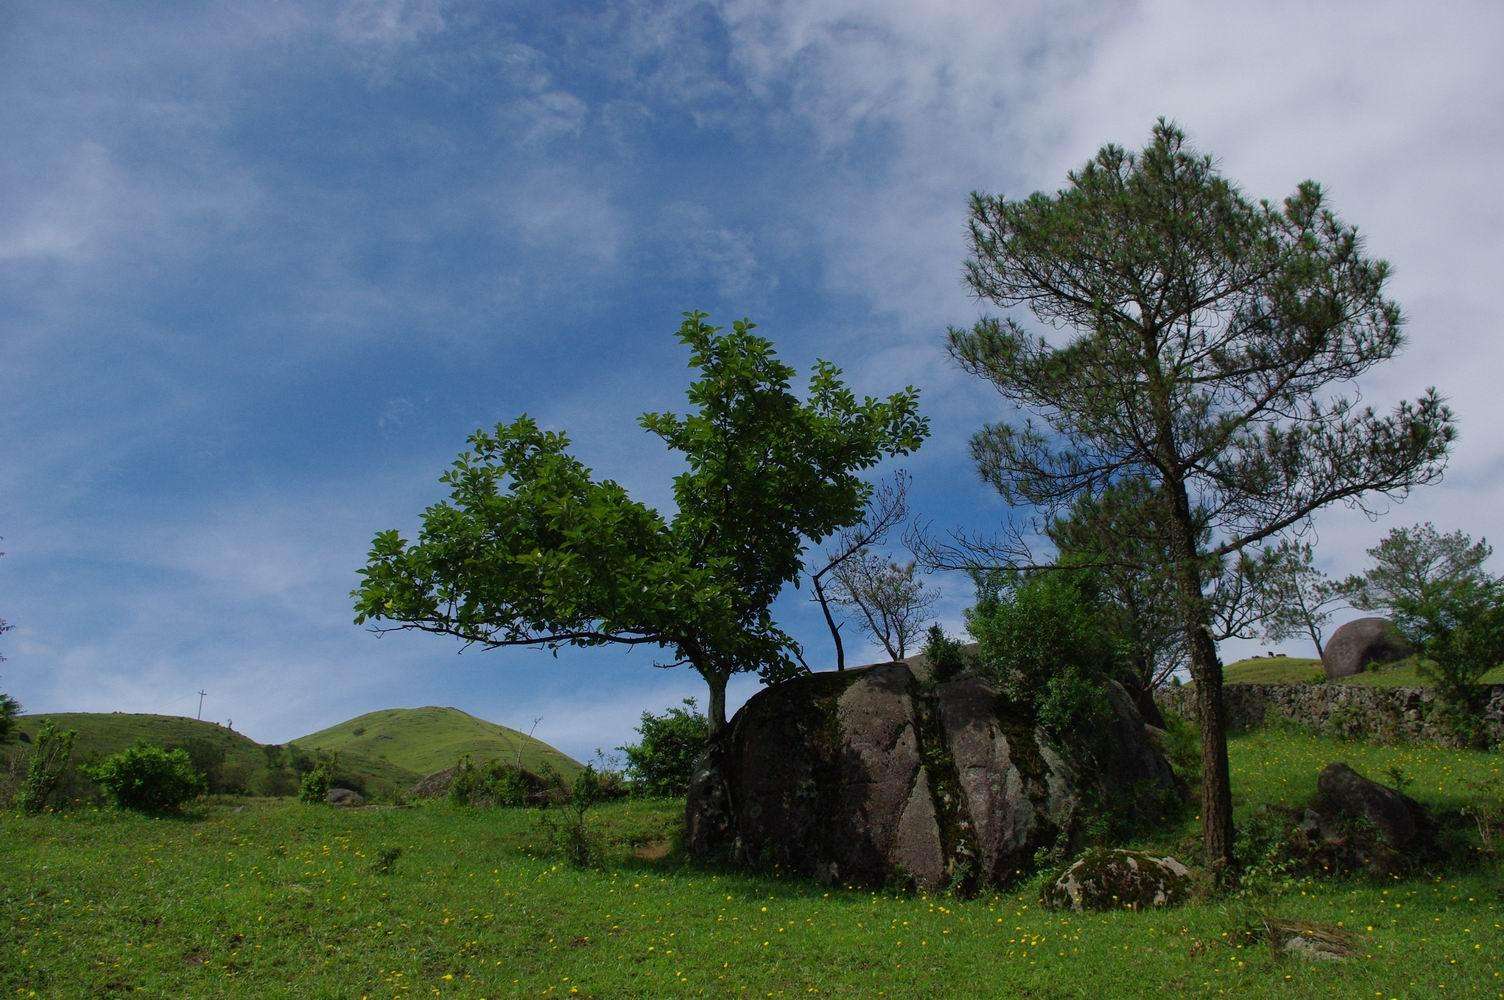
column 1401, row 715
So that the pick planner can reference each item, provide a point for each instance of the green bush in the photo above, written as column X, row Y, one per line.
column 314, row 788
column 46, row 766
column 945, row 657
column 9, row 709
column 1460, row 630
column 664, row 760
column 495, row 783
column 148, row 778
column 1046, row 642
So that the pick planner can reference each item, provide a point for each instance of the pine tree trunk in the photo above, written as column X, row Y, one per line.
column 1206, row 671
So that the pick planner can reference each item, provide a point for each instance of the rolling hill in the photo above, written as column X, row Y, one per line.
column 424, row 740
column 236, row 759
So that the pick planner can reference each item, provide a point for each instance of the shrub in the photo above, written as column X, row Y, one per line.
column 314, row 788
column 945, row 657
column 1045, row 641
column 1182, row 747
column 566, row 821
column 149, row 779
column 9, row 709
column 1460, row 630
column 495, row 783
column 46, row 766
column 664, row 760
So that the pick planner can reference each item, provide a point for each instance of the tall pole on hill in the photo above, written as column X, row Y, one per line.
column 200, row 714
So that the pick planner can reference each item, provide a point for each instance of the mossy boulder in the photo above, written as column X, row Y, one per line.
column 1117, row 880
column 872, row 777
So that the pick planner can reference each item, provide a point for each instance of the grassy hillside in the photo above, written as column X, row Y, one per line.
column 238, row 758
column 284, row 899
column 1301, row 670
column 424, row 740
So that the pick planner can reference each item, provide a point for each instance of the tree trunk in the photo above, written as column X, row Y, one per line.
column 830, row 622
column 716, row 712
column 1216, row 782
column 1143, row 700
column 1206, row 671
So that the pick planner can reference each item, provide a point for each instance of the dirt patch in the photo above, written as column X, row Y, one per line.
column 653, row 850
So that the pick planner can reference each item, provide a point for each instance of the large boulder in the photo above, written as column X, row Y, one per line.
column 1344, row 794
column 1117, row 880
column 1359, row 644
column 870, row 777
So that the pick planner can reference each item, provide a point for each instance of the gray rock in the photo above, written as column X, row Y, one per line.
column 870, row 777
column 1116, row 880
column 1344, row 794
column 344, row 797
column 1359, row 644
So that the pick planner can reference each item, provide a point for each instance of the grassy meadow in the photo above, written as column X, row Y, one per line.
column 1307, row 670
column 271, row 898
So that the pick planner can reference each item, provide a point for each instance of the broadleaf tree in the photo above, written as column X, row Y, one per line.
column 531, row 550
column 1207, row 338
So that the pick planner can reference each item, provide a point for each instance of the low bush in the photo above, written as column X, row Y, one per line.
column 496, row 783
column 663, row 761
column 148, row 778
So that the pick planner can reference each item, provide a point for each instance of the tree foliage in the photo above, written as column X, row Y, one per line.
column 1413, row 566
column 531, row 550
column 1208, row 336
column 9, row 709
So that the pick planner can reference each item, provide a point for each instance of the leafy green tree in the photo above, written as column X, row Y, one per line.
column 530, row 550
column 1460, row 632
column 662, row 761
column 1442, row 597
column 1207, row 336
column 149, row 778
column 1296, row 597
column 1415, row 566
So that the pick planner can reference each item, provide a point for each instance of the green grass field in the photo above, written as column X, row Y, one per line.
column 287, row 900
column 424, row 740
column 1303, row 670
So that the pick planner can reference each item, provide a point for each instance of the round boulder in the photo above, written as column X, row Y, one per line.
column 344, row 797
column 1356, row 646
column 871, row 777
column 1117, row 880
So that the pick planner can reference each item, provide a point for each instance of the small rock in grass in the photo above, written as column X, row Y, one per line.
column 344, row 797
column 1115, row 880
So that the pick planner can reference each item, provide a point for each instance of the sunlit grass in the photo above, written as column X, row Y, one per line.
column 283, row 899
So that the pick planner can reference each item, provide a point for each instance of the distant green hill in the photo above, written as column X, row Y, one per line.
column 424, row 740
column 235, row 760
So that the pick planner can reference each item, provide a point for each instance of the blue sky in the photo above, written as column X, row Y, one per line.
column 264, row 266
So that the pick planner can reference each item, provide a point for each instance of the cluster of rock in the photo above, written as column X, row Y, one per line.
column 1406, row 714
column 874, row 777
